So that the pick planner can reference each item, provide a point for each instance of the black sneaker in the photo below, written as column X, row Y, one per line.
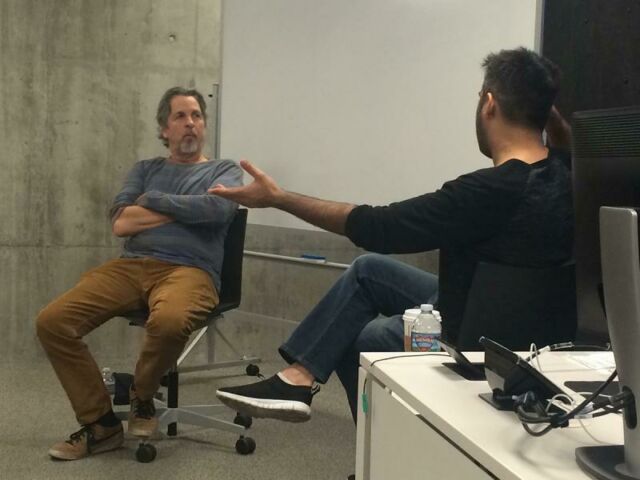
column 270, row 398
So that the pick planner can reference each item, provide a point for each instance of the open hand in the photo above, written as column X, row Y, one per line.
column 262, row 192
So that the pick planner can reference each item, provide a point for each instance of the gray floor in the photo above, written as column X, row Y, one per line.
column 35, row 414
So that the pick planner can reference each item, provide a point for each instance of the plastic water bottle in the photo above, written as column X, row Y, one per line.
column 425, row 334
column 408, row 318
column 109, row 381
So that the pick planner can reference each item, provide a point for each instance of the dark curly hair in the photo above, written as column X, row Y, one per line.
column 523, row 83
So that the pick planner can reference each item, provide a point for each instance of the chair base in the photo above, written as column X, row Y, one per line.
column 210, row 331
column 248, row 361
column 170, row 414
column 196, row 415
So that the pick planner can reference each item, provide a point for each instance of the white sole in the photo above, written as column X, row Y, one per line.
column 287, row 410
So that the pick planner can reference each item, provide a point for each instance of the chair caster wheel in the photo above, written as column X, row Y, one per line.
column 245, row 445
column 252, row 370
column 147, row 453
column 243, row 420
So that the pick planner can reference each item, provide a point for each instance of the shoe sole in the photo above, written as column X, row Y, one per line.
column 286, row 410
column 112, row 443
column 140, row 432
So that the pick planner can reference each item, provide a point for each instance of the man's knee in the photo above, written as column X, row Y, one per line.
column 369, row 262
column 49, row 322
column 381, row 334
column 170, row 323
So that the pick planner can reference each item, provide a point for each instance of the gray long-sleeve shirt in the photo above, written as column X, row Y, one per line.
column 196, row 237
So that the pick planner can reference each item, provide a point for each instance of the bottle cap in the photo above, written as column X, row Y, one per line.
column 426, row 307
column 411, row 312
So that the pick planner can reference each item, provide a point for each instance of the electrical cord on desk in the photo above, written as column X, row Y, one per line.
column 365, row 400
column 539, row 415
column 534, row 352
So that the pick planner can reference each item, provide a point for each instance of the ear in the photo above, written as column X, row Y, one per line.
column 490, row 106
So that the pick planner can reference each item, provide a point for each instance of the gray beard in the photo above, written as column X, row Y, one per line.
column 188, row 146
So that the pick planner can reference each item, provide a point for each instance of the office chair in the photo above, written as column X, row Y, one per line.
column 517, row 306
column 169, row 413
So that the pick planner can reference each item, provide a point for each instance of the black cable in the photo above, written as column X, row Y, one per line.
column 606, row 411
column 568, row 416
column 598, row 411
column 407, row 355
column 537, row 433
column 555, row 421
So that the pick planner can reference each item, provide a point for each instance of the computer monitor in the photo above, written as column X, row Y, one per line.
column 621, row 276
column 606, row 171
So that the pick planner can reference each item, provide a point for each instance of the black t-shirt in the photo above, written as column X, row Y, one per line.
column 515, row 214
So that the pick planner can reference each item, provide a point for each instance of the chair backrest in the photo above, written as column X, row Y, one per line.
column 518, row 306
column 231, row 275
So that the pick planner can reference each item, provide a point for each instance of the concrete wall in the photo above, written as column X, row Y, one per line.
column 79, row 85
column 288, row 290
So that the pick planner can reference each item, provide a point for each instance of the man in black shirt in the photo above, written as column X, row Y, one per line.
column 518, row 212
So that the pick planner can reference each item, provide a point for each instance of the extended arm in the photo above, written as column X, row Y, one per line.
column 464, row 210
column 264, row 192
column 326, row 214
column 128, row 221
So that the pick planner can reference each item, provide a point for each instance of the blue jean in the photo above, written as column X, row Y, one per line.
column 347, row 320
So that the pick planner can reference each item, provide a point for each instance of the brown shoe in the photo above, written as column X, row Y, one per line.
column 89, row 440
column 142, row 416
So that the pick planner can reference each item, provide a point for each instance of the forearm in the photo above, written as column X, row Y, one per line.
column 189, row 209
column 328, row 215
column 135, row 219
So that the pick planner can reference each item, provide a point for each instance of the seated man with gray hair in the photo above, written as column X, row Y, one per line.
column 170, row 266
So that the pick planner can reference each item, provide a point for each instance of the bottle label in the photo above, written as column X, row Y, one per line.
column 425, row 342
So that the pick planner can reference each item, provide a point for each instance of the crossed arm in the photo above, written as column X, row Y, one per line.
column 128, row 221
column 153, row 209
column 136, row 210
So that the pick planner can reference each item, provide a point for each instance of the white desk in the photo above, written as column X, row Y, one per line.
column 425, row 421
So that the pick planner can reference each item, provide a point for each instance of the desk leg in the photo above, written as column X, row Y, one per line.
column 363, row 435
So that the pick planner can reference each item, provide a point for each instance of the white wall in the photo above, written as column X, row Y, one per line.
column 367, row 101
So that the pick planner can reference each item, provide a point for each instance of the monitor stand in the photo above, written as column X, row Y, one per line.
column 490, row 398
column 604, row 462
column 620, row 255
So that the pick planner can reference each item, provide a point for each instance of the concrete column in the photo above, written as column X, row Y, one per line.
column 79, row 84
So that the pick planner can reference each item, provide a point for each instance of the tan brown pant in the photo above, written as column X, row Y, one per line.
column 178, row 299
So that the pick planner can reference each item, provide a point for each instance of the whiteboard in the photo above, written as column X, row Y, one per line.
column 363, row 101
